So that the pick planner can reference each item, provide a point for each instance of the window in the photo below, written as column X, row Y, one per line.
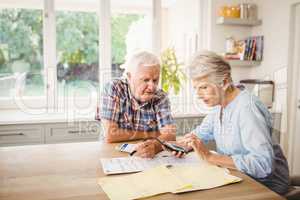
column 181, row 31
column 21, row 52
column 131, row 27
column 63, row 50
column 77, row 44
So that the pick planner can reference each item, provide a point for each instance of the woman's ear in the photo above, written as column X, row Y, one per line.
column 227, row 80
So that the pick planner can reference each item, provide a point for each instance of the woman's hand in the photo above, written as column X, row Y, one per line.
column 192, row 141
column 180, row 144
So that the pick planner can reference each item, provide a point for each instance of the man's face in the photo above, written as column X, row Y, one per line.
column 144, row 81
column 207, row 91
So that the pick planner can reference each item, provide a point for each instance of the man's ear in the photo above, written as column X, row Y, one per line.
column 128, row 74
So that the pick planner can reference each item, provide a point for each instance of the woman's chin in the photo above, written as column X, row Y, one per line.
column 210, row 104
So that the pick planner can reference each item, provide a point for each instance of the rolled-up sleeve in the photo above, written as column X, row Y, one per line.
column 205, row 130
column 163, row 112
column 256, row 139
column 110, row 103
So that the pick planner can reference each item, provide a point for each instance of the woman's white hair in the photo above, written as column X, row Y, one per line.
column 208, row 63
column 145, row 58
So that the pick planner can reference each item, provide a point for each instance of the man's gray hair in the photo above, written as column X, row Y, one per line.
column 208, row 63
column 145, row 58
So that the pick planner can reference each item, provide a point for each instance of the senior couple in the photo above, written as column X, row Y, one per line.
column 133, row 107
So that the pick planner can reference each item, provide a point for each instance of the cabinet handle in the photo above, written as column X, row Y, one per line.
column 13, row 134
column 75, row 132
column 81, row 132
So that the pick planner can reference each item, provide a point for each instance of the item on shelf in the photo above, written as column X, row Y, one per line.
column 241, row 11
column 235, row 12
column 230, row 43
column 248, row 11
column 240, row 48
column 229, row 11
column 250, row 49
column 232, row 56
column 223, row 11
column 244, row 11
column 253, row 48
column 252, row 11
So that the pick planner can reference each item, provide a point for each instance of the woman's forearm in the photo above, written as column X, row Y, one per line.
column 221, row 160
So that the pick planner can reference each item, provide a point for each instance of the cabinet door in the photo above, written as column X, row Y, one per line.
column 21, row 134
column 179, row 126
column 192, row 123
column 186, row 124
column 73, row 132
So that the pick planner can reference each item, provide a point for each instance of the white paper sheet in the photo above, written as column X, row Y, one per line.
column 135, row 164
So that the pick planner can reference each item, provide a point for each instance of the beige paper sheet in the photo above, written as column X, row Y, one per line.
column 203, row 176
column 151, row 182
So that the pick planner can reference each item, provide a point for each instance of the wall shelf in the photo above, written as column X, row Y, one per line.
column 243, row 63
column 238, row 21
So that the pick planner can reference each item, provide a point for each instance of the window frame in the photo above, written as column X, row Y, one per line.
column 51, row 100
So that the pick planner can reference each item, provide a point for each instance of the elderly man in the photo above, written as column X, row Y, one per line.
column 132, row 107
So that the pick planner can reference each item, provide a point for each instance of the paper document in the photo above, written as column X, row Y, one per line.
column 126, row 147
column 137, row 164
column 204, row 176
column 154, row 181
column 163, row 179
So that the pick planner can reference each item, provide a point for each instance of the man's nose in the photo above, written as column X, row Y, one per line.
column 151, row 85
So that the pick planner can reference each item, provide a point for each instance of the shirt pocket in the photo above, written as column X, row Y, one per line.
column 126, row 121
column 149, row 121
column 151, row 125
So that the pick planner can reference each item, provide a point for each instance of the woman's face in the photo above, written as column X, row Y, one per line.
column 207, row 91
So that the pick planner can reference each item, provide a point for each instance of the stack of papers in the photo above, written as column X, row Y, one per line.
column 136, row 164
column 154, row 181
column 163, row 179
column 204, row 176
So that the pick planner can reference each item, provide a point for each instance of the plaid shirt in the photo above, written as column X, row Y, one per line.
column 118, row 105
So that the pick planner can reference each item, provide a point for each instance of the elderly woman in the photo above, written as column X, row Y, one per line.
column 239, row 123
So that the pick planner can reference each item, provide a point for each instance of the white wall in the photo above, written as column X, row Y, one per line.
column 180, row 25
column 179, row 20
column 219, row 33
column 276, row 30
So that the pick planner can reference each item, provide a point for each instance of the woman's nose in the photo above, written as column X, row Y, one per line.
column 200, row 94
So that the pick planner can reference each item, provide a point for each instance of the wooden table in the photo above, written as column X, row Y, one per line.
column 70, row 172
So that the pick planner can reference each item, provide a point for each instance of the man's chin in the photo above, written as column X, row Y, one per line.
column 146, row 98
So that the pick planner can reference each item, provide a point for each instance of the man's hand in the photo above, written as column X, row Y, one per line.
column 146, row 149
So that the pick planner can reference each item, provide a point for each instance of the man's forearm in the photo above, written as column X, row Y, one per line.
column 118, row 135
